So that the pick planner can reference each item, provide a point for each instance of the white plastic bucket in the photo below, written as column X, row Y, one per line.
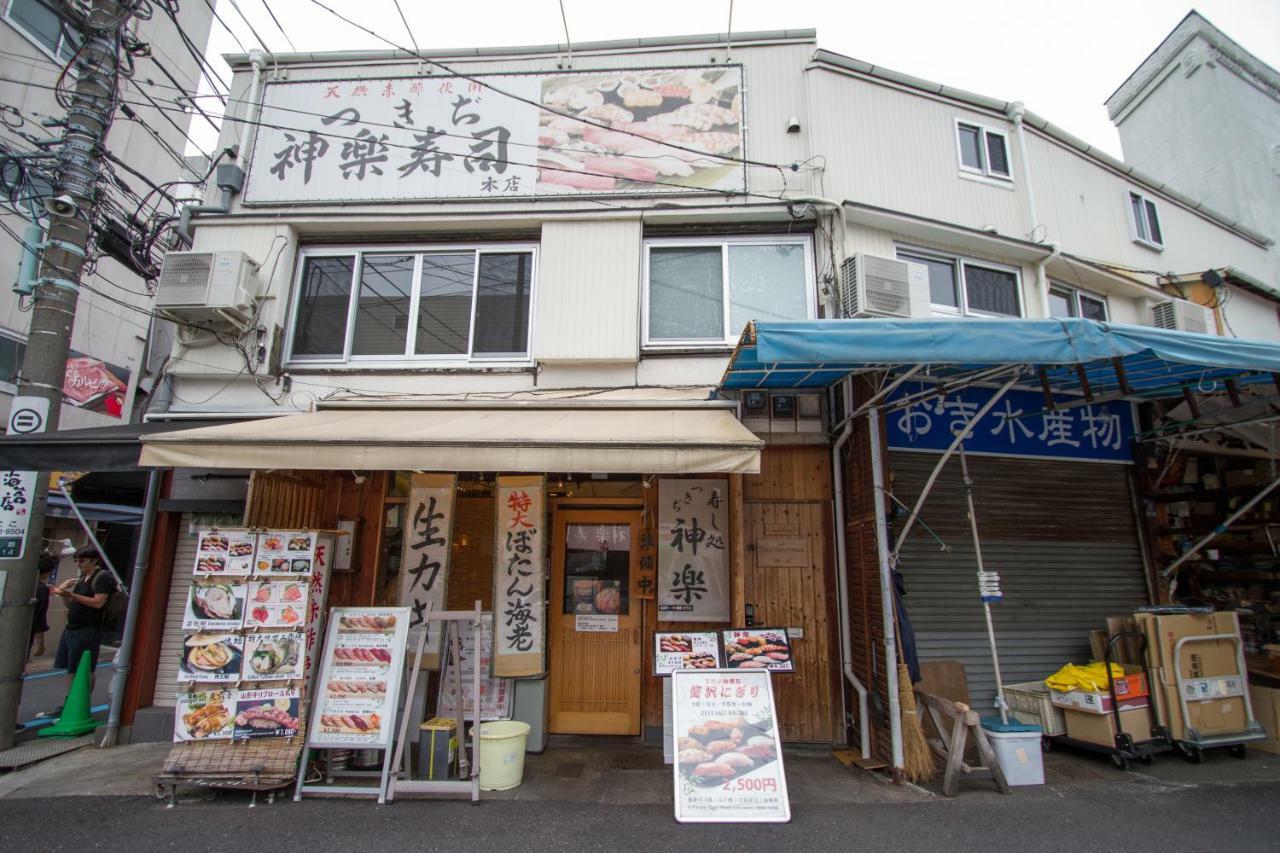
column 1019, row 756
column 502, row 744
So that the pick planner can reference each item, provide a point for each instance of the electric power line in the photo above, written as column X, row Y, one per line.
column 276, row 21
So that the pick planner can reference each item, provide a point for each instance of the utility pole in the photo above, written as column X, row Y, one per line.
column 71, row 209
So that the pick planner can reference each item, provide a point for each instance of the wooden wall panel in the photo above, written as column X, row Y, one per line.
column 471, row 569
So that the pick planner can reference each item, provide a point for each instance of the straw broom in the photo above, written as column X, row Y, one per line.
column 917, row 757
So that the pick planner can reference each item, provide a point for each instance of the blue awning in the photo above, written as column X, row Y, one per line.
column 1069, row 355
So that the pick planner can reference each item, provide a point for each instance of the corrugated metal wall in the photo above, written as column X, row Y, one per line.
column 184, row 561
column 1062, row 537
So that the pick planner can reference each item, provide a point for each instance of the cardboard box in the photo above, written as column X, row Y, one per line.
column 1199, row 660
column 1266, row 708
column 1101, row 728
column 1243, row 477
column 1131, row 691
column 1221, row 713
column 437, row 748
column 1128, row 650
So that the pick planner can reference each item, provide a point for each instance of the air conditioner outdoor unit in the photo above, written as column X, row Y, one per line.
column 217, row 287
column 1183, row 316
column 872, row 286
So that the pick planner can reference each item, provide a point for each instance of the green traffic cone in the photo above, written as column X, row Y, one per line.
column 76, row 719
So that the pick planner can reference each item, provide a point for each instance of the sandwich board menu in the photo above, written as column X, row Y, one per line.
column 358, row 690
column 685, row 650
column 728, row 766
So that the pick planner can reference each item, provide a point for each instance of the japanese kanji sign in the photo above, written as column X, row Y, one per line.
column 16, row 490
column 424, row 568
column 495, row 693
column 499, row 136
column 693, row 549
column 519, row 578
column 1018, row 425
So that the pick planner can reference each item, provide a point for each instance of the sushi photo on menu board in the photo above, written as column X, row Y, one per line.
column 758, row 648
column 214, row 605
column 285, row 552
column 685, row 650
column 266, row 713
column 360, row 677
column 224, row 552
column 274, row 657
column 276, row 604
column 204, row 715
column 211, row 657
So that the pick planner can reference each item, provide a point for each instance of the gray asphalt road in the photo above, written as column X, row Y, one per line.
column 1218, row 818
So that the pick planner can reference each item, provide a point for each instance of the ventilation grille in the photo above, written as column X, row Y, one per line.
column 874, row 286
column 184, row 278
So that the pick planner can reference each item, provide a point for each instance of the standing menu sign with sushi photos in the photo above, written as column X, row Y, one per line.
column 359, row 684
column 424, row 568
column 728, row 766
column 693, row 554
column 519, row 578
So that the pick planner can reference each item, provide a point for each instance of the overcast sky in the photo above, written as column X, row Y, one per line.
column 1063, row 59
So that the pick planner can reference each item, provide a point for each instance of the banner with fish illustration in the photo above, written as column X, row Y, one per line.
column 496, row 136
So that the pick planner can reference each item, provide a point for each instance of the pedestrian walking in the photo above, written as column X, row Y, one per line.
column 86, row 596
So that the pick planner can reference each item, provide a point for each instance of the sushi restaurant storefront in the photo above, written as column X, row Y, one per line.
column 585, row 530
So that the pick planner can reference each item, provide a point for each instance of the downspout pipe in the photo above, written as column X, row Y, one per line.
column 1016, row 112
column 123, row 661
column 842, row 591
column 886, row 593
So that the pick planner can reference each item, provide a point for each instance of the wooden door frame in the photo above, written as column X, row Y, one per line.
column 633, row 516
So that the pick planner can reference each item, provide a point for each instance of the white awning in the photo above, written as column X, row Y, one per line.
column 619, row 441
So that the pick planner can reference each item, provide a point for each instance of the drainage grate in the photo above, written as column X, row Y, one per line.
column 41, row 749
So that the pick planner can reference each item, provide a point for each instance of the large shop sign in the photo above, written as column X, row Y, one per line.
column 494, row 136
column 1018, row 425
column 424, row 567
column 519, row 578
column 693, row 561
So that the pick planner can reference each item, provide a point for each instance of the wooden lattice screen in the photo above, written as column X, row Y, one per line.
column 287, row 500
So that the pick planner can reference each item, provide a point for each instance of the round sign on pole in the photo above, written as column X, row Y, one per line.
column 28, row 415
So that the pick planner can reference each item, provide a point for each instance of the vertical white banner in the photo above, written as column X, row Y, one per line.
column 693, row 553
column 424, row 568
column 519, row 578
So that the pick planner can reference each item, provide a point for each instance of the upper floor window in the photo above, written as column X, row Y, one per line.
column 702, row 292
column 37, row 20
column 967, row 286
column 1070, row 302
column 12, row 351
column 1144, row 221
column 983, row 151
column 396, row 304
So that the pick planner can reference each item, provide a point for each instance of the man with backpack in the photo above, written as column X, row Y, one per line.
column 86, row 596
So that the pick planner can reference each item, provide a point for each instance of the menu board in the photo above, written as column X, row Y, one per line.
column 359, row 684
column 728, row 766
column 758, row 648
column 224, row 552
column 495, row 693
column 276, row 604
column 685, row 650
column 211, row 657
column 204, row 715
column 285, row 552
column 214, row 605
column 274, row 656
column 266, row 713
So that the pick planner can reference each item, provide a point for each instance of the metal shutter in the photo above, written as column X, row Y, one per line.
column 184, row 560
column 1062, row 537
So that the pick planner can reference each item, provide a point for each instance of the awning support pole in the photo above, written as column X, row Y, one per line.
column 93, row 536
column 942, row 461
column 1221, row 528
column 986, row 606
column 886, row 592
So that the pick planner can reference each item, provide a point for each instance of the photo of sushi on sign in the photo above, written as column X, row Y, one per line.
column 266, row 713
column 728, row 761
column 276, row 604
column 285, row 552
column 685, row 650
column 211, row 657
column 214, row 606
column 273, row 657
column 359, row 679
column 758, row 648
column 203, row 715
column 223, row 553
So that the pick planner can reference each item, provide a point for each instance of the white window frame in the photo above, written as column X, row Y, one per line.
column 958, row 265
column 54, row 54
column 729, row 339
column 1136, row 228
column 984, row 172
column 1075, row 294
column 348, row 359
